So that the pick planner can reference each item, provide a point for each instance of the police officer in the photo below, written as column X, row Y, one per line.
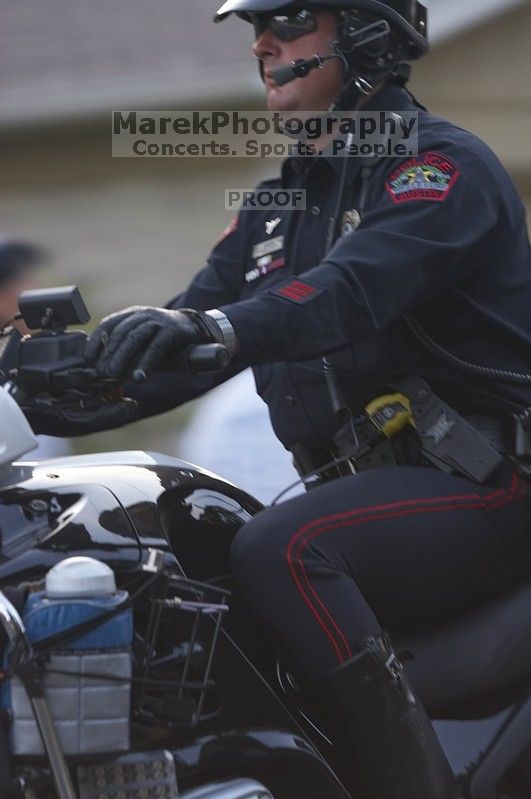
column 400, row 266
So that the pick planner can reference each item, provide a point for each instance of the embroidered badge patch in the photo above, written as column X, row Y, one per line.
column 431, row 176
column 298, row 291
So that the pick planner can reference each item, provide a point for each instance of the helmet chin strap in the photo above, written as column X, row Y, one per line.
column 349, row 100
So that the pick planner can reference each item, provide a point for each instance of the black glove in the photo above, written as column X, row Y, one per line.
column 139, row 337
column 77, row 415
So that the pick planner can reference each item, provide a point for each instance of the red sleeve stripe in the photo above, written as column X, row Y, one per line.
column 296, row 290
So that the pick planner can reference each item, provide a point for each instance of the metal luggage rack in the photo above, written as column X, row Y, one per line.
column 174, row 685
column 199, row 605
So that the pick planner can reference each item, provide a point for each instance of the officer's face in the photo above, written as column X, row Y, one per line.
column 320, row 87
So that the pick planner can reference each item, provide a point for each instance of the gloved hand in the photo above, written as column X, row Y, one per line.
column 76, row 415
column 139, row 337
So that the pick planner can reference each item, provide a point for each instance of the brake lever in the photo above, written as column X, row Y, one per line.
column 82, row 378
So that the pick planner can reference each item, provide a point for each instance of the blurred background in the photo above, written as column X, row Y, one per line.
column 135, row 230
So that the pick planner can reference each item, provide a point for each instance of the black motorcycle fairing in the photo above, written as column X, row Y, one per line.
column 118, row 504
column 200, row 522
column 47, row 519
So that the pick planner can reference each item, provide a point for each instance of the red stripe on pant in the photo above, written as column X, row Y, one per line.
column 304, row 535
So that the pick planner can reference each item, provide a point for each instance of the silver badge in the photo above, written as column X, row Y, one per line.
column 350, row 222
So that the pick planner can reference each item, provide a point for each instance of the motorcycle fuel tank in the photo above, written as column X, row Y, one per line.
column 112, row 505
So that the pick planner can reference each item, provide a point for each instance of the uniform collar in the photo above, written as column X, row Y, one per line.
column 391, row 98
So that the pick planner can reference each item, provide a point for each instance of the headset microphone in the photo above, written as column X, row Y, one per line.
column 346, row 44
column 298, row 69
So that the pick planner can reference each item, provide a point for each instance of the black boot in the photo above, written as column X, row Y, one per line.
column 383, row 742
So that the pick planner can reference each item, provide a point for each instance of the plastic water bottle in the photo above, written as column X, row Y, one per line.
column 86, row 679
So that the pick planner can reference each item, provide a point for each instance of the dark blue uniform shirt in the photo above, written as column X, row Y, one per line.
column 442, row 239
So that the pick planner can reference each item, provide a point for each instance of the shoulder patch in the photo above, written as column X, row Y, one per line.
column 430, row 176
column 231, row 227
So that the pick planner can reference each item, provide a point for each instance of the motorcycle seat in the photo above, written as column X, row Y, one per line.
column 476, row 665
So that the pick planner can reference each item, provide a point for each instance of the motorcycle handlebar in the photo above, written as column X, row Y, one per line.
column 51, row 360
column 208, row 357
column 64, row 369
column 201, row 358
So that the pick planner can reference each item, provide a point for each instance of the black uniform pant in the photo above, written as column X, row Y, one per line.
column 399, row 548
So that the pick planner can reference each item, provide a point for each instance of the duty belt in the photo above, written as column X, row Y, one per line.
column 414, row 425
column 447, row 439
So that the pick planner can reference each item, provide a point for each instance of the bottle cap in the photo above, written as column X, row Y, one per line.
column 80, row 577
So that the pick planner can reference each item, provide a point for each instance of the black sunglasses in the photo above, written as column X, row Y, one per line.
column 287, row 27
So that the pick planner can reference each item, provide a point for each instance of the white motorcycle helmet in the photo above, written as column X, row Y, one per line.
column 16, row 435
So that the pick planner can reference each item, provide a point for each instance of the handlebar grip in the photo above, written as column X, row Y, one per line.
column 200, row 358
column 208, row 358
